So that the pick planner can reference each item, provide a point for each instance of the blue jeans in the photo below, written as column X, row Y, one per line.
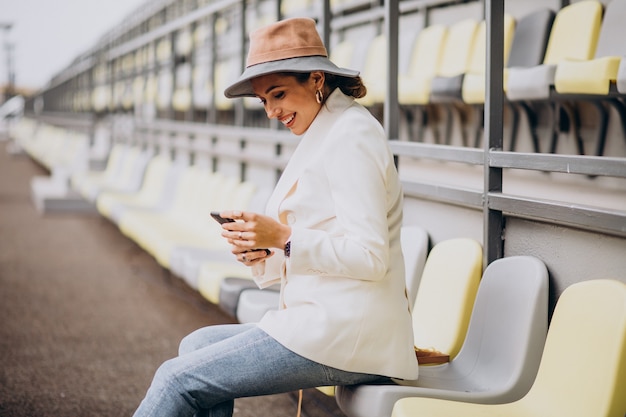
column 217, row 364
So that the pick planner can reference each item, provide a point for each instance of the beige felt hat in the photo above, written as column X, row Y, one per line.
column 291, row 45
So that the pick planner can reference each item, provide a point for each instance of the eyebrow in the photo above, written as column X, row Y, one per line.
column 270, row 88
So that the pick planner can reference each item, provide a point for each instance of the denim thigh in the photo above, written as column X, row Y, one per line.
column 220, row 363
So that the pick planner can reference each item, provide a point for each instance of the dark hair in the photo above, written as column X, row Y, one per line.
column 350, row 86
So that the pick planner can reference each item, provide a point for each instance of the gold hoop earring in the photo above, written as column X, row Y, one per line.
column 319, row 96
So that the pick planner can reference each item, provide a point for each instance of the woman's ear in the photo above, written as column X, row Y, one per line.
column 318, row 78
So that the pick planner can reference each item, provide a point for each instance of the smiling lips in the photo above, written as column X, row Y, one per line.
column 286, row 121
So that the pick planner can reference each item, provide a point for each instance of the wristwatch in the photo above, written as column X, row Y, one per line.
column 287, row 249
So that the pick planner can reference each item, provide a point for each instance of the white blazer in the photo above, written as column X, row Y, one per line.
column 343, row 300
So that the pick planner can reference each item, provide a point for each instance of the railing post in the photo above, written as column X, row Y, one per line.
column 493, row 220
column 391, row 118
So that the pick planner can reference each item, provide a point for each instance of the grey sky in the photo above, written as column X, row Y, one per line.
column 49, row 34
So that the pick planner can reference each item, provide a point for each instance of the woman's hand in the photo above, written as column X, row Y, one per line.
column 250, row 233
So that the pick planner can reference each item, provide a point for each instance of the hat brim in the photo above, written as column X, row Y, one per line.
column 243, row 88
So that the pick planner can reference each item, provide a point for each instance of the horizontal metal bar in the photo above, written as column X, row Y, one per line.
column 223, row 131
column 273, row 162
column 439, row 152
column 414, row 5
column 356, row 19
column 571, row 164
column 446, row 194
column 586, row 217
column 82, row 121
column 169, row 28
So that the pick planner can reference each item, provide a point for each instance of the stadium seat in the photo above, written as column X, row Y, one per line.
column 63, row 153
column 500, row 356
column 527, row 49
column 252, row 303
column 595, row 76
column 473, row 83
column 446, row 294
column 225, row 74
column 621, row 77
column 185, row 222
column 292, row 8
column 574, row 36
column 95, row 178
column 125, row 176
column 583, row 366
column 202, row 87
column 414, row 85
column 160, row 175
column 595, row 79
column 342, row 54
column 374, row 74
column 458, row 88
column 181, row 99
column 458, row 48
column 165, row 89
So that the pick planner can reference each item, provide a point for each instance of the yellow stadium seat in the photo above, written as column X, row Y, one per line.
column 597, row 79
column 112, row 204
column 446, row 294
column 595, row 76
column 414, row 85
column 473, row 89
column 225, row 74
column 374, row 72
column 574, row 36
column 186, row 222
column 583, row 366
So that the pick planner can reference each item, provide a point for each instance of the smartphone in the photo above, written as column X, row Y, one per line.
column 222, row 220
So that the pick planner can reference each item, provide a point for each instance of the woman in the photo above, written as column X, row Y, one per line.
column 333, row 227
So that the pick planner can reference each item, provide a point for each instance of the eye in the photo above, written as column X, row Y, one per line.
column 279, row 95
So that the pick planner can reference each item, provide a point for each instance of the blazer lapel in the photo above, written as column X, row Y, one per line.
column 308, row 148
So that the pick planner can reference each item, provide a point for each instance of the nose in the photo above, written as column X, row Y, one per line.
column 272, row 111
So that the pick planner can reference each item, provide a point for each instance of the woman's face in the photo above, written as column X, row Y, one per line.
column 286, row 99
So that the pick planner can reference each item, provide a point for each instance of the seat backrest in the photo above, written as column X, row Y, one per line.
column 374, row 74
column 508, row 327
column 531, row 39
column 154, row 180
column 115, row 160
column 343, row 53
column 611, row 38
column 478, row 58
column 225, row 74
column 426, row 53
column 575, row 32
column 446, row 294
column 414, row 243
column 583, row 368
column 184, row 198
column 458, row 48
column 621, row 77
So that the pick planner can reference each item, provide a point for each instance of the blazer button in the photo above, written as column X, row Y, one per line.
column 291, row 219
